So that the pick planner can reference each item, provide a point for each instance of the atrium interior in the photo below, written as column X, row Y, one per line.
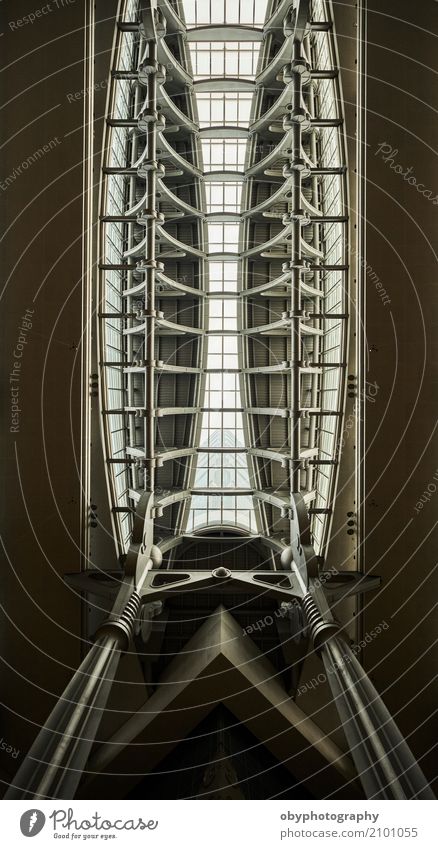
column 227, row 581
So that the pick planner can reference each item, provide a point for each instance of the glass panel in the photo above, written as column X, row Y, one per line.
column 223, row 238
column 223, row 154
column 224, row 59
column 205, row 12
column 223, row 197
column 217, row 108
column 115, row 202
column 222, row 461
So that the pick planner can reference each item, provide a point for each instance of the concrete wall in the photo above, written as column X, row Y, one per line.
column 400, row 540
column 41, row 196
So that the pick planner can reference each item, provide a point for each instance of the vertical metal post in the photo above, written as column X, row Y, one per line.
column 151, row 68
column 316, row 278
column 296, row 352
column 130, row 379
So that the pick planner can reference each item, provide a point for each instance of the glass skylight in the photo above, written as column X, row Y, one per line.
column 222, row 108
column 224, row 60
column 223, row 276
column 223, row 197
column 331, row 188
column 222, row 459
column 223, row 238
column 223, row 154
column 211, row 59
column 212, row 12
column 113, row 242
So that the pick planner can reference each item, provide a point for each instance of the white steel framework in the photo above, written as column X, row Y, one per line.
column 224, row 274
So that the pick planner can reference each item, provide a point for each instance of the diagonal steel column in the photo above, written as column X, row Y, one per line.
column 384, row 762
column 54, row 765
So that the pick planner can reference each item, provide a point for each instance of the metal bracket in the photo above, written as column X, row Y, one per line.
column 142, row 539
column 159, row 583
column 301, row 551
column 339, row 585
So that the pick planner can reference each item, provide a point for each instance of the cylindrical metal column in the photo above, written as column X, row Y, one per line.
column 54, row 764
column 317, row 280
column 150, row 68
column 296, row 350
column 384, row 761
column 385, row 764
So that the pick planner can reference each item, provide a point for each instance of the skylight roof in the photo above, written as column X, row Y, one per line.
column 250, row 13
column 218, row 59
column 222, row 463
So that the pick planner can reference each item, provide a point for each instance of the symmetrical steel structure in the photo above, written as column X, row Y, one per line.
column 295, row 269
column 239, row 240
column 223, row 331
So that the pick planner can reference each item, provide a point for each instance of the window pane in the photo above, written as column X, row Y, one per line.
column 222, row 424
